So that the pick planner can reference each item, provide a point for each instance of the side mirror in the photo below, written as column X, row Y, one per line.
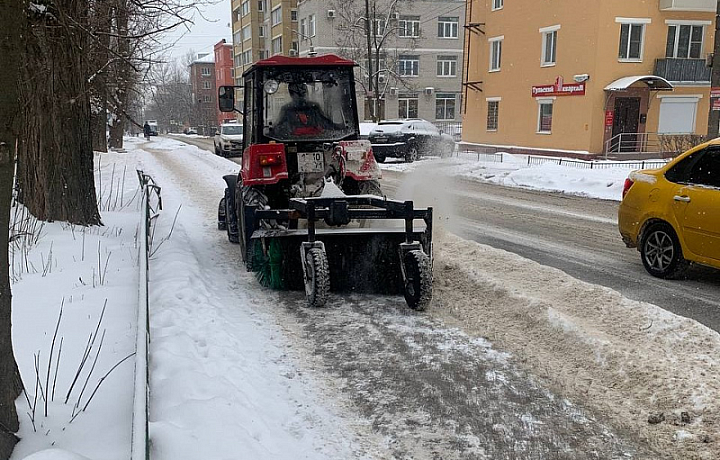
column 226, row 98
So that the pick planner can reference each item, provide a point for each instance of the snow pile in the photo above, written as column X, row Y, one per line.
column 627, row 360
column 91, row 275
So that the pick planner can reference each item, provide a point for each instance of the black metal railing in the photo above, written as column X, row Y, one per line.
column 687, row 70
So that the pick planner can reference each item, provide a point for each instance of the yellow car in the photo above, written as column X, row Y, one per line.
column 672, row 214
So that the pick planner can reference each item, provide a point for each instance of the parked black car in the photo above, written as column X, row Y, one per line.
column 409, row 139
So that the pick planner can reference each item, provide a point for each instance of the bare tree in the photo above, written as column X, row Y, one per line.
column 12, row 22
column 370, row 30
column 171, row 99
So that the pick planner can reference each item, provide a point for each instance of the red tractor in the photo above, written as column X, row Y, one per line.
column 308, row 190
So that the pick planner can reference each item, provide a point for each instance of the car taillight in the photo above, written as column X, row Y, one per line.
column 628, row 183
column 270, row 159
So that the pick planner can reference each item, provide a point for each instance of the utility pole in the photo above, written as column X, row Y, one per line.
column 369, row 23
column 714, row 115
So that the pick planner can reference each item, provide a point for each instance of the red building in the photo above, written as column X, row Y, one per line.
column 204, row 94
column 224, row 74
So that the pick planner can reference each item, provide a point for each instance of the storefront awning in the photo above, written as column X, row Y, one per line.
column 652, row 81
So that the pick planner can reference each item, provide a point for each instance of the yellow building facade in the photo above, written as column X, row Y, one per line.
column 585, row 76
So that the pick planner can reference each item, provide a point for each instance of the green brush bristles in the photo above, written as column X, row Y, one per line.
column 268, row 264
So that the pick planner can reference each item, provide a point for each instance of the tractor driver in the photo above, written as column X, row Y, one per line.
column 301, row 117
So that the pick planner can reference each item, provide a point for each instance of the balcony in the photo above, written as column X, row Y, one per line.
column 706, row 6
column 683, row 70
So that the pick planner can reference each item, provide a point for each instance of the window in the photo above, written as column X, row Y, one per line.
column 247, row 57
column 293, row 15
column 311, row 25
column 409, row 66
column 295, row 46
column 445, row 106
column 206, row 85
column 631, row 38
column 379, row 27
column 497, row 4
column 261, row 31
column 276, row 16
column 407, row 107
column 409, row 26
column 684, row 41
column 246, row 34
column 205, row 72
column 245, row 8
column 447, row 66
column 545, row 113
column 493, row 106
column 495, row 53
column 261, row 5
column 207, row 98
column 549, row 42
column 277, row 45
column 447, row 27
column 237, row 15
column 699, row 168
column 303, row 28
column 236, row 37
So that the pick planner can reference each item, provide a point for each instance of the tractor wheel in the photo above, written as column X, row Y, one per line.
column 249, row 196
column 418, row 280
column 221, row 220
column 661, row 252
column 317, row 278
column 369, row 187
column 231, row 223
column 411, row 154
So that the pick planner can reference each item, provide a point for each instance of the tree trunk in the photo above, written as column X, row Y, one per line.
column 12, row 20
column 55, row 167
column 124, row 75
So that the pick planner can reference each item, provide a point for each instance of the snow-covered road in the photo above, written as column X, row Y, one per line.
column 237, row 368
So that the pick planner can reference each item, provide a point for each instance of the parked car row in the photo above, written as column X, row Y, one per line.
column 409, row 139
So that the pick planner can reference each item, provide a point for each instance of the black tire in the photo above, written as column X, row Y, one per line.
column 231, row 223
column 248, row 196
column 661, row 252
column 317, row 278
column 379, row 157
column 221, row 221
column 411, row 154
column 369, row 187
column 217, row 150
column 418, row 280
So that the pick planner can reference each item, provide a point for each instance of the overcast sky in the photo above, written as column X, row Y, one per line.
column 209, row 28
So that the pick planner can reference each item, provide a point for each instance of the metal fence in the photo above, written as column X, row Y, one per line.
column 584, row 164
column 150, row 206
column 453, row 128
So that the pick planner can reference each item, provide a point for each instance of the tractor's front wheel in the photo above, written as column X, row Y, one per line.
column 231, row 222
column 418, row 280
column 317, row 277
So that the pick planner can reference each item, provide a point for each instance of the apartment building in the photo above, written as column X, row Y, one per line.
column 420, row 44
column 586, row 77
column 224, row 75
column 262, row 28
column 203, row 90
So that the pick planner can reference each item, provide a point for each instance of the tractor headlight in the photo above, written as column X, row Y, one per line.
column 271, row 86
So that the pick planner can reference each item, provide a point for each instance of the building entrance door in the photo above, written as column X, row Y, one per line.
column 626, row 122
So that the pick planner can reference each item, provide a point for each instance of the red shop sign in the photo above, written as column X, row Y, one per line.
column 559, row 89
column 609, row 117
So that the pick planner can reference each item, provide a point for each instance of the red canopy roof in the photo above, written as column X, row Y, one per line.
column 326, row 59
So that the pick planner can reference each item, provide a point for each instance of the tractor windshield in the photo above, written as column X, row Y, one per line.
column 306, row 104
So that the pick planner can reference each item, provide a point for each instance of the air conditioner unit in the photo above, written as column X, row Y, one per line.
column 293, row 53
column 429, row 90
column 394, row 16
column 393, row 91
column 382, row 78
column 330, row 14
